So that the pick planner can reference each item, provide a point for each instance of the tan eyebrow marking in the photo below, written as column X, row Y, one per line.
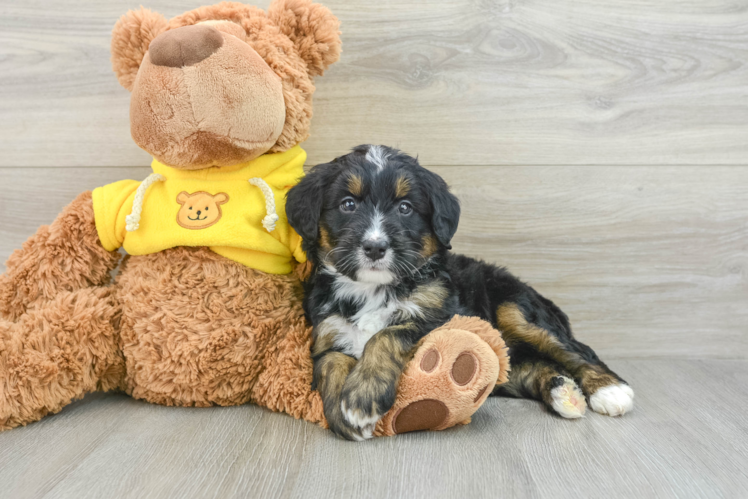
column 324, row 239
column 429, row 246
column 355, row 185
column 402, row 187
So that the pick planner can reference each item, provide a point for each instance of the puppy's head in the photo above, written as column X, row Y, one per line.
column 375, row 215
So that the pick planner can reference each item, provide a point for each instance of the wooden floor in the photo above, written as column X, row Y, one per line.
column 688, row 437
column 599, row 151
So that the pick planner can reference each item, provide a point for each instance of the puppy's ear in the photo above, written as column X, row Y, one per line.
column 131, row 37
column 304, row 202
column 445, row 209
column 312, row 28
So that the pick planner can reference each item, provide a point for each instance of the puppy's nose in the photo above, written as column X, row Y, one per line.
column 375, row 249
column 199, row 212
column 185, row 46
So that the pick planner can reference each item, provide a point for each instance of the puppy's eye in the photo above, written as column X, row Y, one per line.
column 206, row 209
column 190, row 208
column 348, row 205
column 405, row 208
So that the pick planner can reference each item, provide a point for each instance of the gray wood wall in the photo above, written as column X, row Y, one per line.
column 600, row 149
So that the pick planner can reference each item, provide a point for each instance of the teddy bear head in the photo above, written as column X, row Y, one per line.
column 223, row 84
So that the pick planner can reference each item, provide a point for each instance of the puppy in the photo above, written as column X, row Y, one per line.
column 376, row 227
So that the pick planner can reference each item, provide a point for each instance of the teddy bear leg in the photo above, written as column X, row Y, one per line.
column 286, row 382
column 452, row 373
column 56, row 353
column 64, row 256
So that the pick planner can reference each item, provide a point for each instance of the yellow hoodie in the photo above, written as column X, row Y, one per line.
column 229, row 209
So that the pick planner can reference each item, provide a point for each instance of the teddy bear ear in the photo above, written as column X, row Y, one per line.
column 131, row 37
column 221, row 198
column 312, row 28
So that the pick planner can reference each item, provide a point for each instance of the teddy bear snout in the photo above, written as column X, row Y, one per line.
column 185, row 46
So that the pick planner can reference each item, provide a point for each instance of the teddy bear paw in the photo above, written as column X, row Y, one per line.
column 450, row 376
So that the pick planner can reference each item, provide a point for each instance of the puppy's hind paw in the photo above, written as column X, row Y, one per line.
column 613, row 400
column 566, row 398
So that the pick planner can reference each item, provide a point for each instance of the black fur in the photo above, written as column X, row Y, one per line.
column 417, row 258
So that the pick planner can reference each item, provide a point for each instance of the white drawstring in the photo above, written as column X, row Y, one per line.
column 271, row 218
column 133, row 220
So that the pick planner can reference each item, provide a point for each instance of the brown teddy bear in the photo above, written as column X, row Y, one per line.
column 206, row 308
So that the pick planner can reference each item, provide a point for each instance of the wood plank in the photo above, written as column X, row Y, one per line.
column 541, row 82
column 686, row 438
column 647, row 261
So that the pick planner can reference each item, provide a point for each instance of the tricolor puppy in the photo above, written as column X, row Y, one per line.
column 377, row 228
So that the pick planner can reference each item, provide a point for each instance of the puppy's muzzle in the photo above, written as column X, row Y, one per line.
column 375, row 249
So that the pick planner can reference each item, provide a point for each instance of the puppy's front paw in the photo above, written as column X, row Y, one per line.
column 341, row 428
column 360, row 419
column 363, row 402
column 339, row 423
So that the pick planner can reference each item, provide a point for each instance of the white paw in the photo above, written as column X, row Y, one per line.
column 366, row 423
column 568, row 400
column 613, row 400
column 363, row 434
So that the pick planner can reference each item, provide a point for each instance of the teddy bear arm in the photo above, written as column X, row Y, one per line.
column 65, row 256
column 285, row 383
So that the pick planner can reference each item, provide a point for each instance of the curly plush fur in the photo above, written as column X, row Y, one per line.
column 185, row 326
column 182, row 327
column 58, row 319
column 220, row 328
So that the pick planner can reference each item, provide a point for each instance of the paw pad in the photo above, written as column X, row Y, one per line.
column 481, row 393
column 422, row 415
column 464, row 368
column 430, row 360
column 567, row 399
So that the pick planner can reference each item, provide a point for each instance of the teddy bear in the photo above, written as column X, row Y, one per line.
column 206, row 307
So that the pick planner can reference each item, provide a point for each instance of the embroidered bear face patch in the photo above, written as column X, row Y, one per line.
column 200, row 209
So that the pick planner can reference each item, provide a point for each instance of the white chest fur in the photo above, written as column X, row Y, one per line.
column 377, row 310
column 349, row 338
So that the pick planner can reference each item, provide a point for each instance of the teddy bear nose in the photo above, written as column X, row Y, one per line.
column 185, row 46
